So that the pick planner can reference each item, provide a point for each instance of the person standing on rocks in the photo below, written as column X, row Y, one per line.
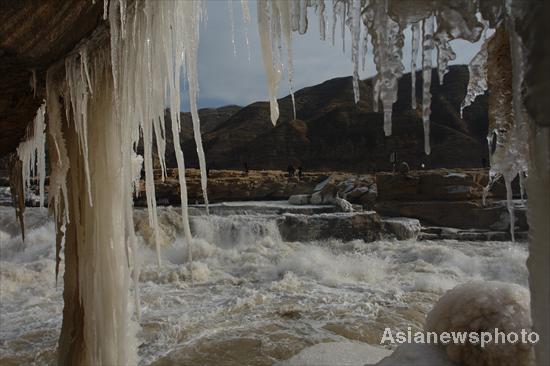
column 290, row 169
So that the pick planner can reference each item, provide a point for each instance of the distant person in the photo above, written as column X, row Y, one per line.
column 300, row 172
column 290, row 169
column 245, row 168
column 393, row 160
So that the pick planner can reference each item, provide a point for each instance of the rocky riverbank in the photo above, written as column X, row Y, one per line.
column 447, row 203
column 439, row 198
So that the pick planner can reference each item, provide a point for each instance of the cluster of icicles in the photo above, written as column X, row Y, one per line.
column 115, row 96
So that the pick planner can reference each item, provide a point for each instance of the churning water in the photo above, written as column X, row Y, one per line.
column 255, row 300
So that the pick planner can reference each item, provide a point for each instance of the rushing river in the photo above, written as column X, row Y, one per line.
column 255, row 299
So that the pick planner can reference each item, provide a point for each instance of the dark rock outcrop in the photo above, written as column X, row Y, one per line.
column 345, row 226
column 457, row 214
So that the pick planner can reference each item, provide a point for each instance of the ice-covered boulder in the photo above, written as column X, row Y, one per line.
column 483, row 306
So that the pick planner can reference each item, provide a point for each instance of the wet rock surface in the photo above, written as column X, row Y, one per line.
column 458, row 214
column 407, row 202
column 345, row 226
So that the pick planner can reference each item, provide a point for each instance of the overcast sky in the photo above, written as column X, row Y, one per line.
column 226, row 78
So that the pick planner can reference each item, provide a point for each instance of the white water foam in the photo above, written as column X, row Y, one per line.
column 250, row 287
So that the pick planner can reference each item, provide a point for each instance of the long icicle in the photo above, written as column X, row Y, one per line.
column 427, row 47
column 415, row 30
column 273, row 76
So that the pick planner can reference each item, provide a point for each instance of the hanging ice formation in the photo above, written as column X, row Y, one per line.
column 385, row 22
column 32, row 153
column 477, row 84
column 121, row 90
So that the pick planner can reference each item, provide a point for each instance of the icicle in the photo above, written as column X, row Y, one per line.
column 191, row 52
column 342, row 8
column 115, row 37
column 303, row 16
column 284, row 11
column 477, row 83
column 355, row 39
column 78, row 85
column 273, row 74
column 387, row 39
column 415, row 30
column 365, row 49
column 445, row 54
column 510, row 205
column 105, row 7
column 150, row 185
column 321, row 15
column 59, row 166
column 246, row 17
column 246, row 11
column 427, row 47
column 295, row 8
column 122, row 6
column 335, row 5
column 31, row 152
column 232, row 25
column 183, row 185
column 40, row 140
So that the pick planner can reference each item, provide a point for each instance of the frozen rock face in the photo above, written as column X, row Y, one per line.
column 484, row 306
